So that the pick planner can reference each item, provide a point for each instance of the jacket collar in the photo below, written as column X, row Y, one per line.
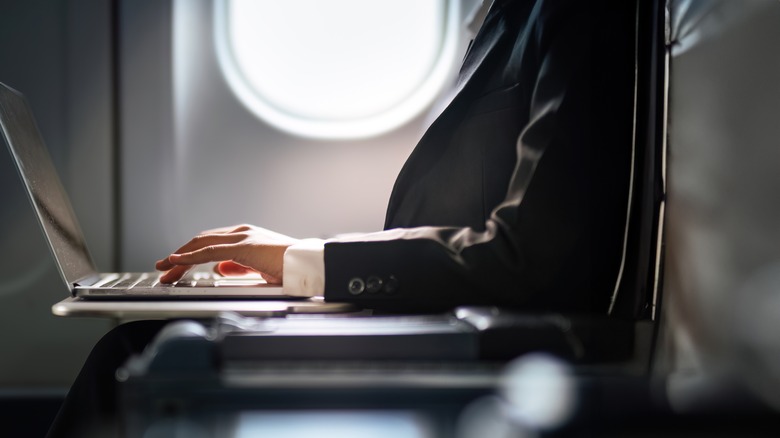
column 490, row 33
column 485, row 41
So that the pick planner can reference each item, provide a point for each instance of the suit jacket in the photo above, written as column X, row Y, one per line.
column 517, row 194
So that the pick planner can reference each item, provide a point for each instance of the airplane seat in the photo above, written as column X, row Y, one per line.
column 627, row 333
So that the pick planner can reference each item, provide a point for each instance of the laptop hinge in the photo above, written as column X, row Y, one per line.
column 88, row 280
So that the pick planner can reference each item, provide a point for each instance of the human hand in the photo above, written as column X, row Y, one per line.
column 239, row 249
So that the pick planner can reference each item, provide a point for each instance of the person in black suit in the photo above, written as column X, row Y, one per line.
column 516, row 195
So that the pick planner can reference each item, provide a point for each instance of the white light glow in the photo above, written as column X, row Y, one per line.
column 326, row 424
column 540, row 391
column 336, row 69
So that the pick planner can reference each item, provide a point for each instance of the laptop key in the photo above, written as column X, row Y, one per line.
column 184, row 283
column 148, row 280
column 108, row 282
column 205, row 282
column 126, row 282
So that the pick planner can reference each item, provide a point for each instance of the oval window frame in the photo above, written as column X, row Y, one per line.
column 380, row 123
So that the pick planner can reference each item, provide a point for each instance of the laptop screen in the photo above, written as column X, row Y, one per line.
column 44, row 188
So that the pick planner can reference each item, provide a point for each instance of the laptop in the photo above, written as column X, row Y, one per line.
column 66, row 241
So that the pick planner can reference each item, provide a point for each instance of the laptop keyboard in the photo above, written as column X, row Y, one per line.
column 152, row 279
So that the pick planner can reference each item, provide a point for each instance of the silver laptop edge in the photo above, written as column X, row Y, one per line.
column 44, row 189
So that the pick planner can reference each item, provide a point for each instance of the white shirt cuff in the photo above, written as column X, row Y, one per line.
column 304, row 268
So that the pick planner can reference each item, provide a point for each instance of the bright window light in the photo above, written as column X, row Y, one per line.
column 336, row 68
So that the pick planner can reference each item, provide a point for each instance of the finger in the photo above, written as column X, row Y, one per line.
column 164, row 265
column 204, row 240
column 270, row 279
column 174, row 274
column 198, row 242
column 229, row 268
column 160, row 265
column 213, row 253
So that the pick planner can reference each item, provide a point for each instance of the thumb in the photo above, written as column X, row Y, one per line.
column 229, row 268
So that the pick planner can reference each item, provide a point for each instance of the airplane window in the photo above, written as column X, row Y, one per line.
column 337, row 68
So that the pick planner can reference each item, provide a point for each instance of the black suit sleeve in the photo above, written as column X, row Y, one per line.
column 551, row 243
